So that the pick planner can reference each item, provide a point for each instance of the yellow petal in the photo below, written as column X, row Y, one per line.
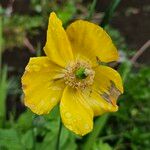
column 106, row 89
column 105, row 77
column 92, row 41
column 75, row 112
column 41, row 91
column 98, row 104
column 57, row 46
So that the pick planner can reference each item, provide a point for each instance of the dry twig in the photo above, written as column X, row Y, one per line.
column 140, row 52
column 28, row 44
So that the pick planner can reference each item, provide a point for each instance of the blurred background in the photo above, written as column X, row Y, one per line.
column 23, row 25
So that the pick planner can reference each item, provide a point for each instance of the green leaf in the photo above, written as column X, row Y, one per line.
column 101, row 146
column 67, row 140
column 98, row 127
column 27, row 139
column 70, row 144
column 49, row 142
column 10, row 139
column 64, row 136
column 24, row 122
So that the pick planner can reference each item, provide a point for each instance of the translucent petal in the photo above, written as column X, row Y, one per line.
column 92, row 41
column 102, row 96
column 75, row 112
column 42, row 85
column 57, row 46
column 98, row 104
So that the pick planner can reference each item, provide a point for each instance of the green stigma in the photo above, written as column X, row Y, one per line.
column 80, row 73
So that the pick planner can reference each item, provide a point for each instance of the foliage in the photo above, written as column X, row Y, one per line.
column 15, row 29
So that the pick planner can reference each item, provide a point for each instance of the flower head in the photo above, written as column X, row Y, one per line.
column 70, row 75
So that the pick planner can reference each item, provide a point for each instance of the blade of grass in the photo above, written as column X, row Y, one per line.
column 1, row 41
column 3, row 94
column 109, row 12
column 92, row 9
column 98, row 127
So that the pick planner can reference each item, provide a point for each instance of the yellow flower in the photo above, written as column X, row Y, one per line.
column 70, row 75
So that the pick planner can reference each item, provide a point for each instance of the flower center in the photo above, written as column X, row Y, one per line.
column 79, row 75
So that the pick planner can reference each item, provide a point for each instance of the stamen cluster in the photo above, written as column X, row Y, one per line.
column 71, row 78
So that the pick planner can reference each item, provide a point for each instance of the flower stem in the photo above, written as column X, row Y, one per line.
column 33, row 133
column 59, row 134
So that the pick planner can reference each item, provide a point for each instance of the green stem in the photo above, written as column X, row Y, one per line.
column 109, row 12
column 33, row 133
column 59, row 134
column 44, row 8
column 92, row 9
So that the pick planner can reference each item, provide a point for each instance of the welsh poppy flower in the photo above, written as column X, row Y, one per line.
column 72, row 75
